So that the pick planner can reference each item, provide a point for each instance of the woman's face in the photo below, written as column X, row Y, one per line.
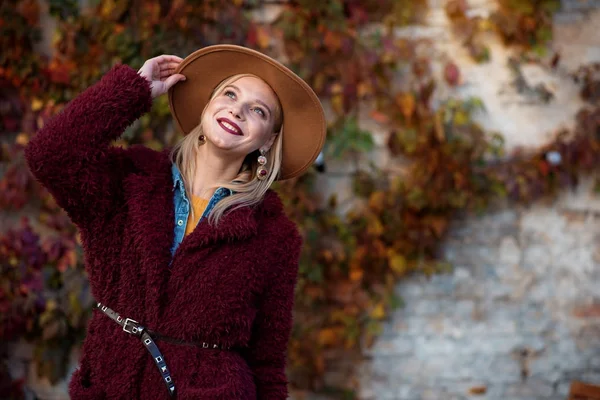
column 240, row 118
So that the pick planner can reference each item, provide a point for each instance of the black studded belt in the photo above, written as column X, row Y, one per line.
column 148, row 337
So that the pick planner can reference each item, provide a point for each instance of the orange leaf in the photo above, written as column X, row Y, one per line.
column 22, row 139
column 328, row 337
column 72, row 258
column 320, row 363
column 356, row 275
column 380, row 117
column 377, row 201
column 406, row 103
column 544, row 167
column 327, row 255
column 438, row 224
column 478, row 390
column 332, row 41
column 363, row 89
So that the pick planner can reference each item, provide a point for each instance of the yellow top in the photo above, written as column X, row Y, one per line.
column 199, row 205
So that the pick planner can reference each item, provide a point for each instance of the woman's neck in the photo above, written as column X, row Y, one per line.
column 212, row 167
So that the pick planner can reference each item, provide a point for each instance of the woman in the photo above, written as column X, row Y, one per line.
column 190, row 256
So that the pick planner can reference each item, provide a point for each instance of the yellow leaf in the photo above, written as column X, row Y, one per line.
column 36, row 104
column 378, row 312
column 461, row 118
column 57, row 36
column 484, row 24
column 263, row 39
column 388, row 57
column 398, row 263
column 108, row 7
column 337, row 103
column 375, row 227
column 318, row 82
column 337, row 88
column 350, row 342
column 22, row 139
column 51, row 305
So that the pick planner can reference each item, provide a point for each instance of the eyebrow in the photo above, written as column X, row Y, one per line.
column 262, row 103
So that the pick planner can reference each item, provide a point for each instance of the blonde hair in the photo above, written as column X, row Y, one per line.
column 248, row 189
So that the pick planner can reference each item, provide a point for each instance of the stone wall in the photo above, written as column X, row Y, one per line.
column 518, row 318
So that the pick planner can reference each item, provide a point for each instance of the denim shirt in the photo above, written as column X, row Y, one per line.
column 182, row 206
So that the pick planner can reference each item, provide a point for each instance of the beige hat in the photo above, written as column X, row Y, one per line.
column 304, row 125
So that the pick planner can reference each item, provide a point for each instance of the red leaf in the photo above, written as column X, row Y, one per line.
column 452, row 73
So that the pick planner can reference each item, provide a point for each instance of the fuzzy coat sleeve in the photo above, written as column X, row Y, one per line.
column 71, row 155
column 267, row 351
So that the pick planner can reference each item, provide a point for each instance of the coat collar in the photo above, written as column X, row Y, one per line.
column 152, row 192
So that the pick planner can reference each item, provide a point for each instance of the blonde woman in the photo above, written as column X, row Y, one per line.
column 190, row 255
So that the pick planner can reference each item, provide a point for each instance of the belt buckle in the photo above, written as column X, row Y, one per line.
column 132, row 325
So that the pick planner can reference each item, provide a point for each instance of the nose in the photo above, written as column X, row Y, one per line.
column 235, row 112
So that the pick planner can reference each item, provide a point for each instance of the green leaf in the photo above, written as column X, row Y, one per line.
column 349, row 138
column 396, row 301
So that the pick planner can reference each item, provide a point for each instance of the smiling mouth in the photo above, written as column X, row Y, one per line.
column 230, row 126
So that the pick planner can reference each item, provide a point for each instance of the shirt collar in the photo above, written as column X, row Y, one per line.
column 178, row 181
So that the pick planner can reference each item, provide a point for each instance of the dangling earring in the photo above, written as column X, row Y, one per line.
column 201, row 140
column 262, row 172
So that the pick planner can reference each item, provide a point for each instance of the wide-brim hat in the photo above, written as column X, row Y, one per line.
column 304, row 126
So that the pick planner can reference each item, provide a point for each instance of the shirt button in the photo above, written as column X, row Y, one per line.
column 180, row 222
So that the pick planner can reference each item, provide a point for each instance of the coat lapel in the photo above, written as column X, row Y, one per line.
column 151, row 211
column 237, row 225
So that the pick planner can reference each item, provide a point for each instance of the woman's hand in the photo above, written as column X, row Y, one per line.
column 159, row 71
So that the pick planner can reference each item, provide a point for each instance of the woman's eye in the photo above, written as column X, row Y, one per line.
column 259, row 111
column 229, row 93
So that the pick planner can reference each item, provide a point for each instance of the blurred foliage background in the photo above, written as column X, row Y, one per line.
column 351, row 261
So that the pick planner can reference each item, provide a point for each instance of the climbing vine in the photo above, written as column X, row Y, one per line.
column 350, row 54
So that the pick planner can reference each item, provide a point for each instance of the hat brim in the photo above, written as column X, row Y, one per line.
column 304, row 126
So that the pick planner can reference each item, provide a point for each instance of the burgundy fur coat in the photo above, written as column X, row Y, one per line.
column 232, row 284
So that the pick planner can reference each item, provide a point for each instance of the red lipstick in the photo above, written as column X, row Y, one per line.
column 230, row 126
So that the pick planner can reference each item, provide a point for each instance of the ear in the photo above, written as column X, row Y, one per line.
column 267, row 146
